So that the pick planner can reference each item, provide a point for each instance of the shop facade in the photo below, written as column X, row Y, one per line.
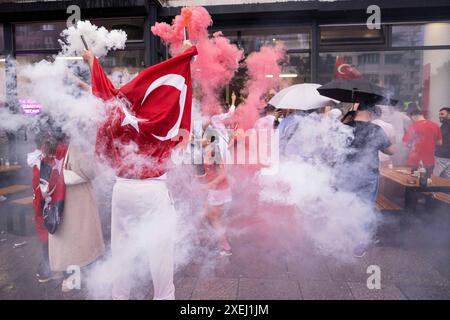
column 409, row 54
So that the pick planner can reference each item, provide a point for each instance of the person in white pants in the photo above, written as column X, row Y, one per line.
column 143, row 225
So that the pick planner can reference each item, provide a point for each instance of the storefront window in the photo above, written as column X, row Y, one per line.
column 421, row 76
column 45, row 35
column 429, row 34
column 296, row 69
column 293, row 38
column 2, row 39
column 2, row 81
column 39, row 36
column 133, row 26
column 355, row 34
column 123, row 65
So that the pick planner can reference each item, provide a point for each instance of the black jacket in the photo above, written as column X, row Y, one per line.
column 443, row 151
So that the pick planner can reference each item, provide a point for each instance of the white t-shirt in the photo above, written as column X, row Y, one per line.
column 390, row 132
column 265, row 122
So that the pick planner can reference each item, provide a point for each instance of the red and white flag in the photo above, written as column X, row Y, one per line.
column 344, row 70
column 140, row 132
column 49, row 189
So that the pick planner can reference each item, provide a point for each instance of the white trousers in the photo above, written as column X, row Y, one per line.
column 142, row 228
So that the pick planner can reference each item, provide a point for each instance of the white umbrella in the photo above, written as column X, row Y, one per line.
column 301, row 97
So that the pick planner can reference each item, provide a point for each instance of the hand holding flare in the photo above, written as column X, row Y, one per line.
column 186, row 18
column 88, row 56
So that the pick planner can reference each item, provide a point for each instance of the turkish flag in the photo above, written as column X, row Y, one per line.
column 145, row 116
column 345, row 71
column 48, row 174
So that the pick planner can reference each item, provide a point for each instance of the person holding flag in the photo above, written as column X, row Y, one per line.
column 144, row 121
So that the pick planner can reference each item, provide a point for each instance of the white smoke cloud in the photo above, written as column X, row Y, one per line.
column 336, row 221
column 98, row 39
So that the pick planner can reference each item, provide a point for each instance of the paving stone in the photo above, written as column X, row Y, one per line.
column 308, row 267
column 387, row 292
column 184, row 287
column 267, row 269
column 268, row 289
column 216, row 289
column 402, row 267
column 325, row 290
column 354, row 270
column 415, row 292
column 259, row 265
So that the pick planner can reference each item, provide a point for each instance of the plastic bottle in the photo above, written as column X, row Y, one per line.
column 423, row 179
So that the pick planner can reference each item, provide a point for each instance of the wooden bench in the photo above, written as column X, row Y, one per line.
column 23, row 201
column 440, row 196
column 384, row 204
column 13, row 189
column 12, row 168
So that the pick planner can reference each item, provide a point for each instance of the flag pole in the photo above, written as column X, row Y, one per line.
column 186, row 36
column 186, row 19
column 84, row 42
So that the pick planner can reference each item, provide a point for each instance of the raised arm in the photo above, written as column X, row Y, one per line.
column 102, row 87
column 88, row 57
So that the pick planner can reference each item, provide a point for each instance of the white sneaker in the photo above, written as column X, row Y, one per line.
column 3, row 198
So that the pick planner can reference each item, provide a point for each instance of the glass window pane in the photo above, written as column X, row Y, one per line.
column 2, row 81
column 360, row 34
column 429, row 34
column 36, row 36
column 421, row 76
column 296, row 69
column 293, row 38
column 133, row 26
column 2, row 40
column 232, row 36
column 123, row 65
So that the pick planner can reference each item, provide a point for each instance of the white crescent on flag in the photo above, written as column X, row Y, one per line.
column 339, row 69
column 179, row 82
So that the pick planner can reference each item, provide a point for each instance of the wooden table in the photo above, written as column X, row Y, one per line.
column 411, row 185
column 13, row 189
column 10, row 168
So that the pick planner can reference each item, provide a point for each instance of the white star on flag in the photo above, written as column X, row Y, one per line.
column 130, row 119
column 59, row 164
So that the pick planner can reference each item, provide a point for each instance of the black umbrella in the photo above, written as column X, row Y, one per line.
column 356, row 90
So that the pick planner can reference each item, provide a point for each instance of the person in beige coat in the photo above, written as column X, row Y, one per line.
column 78, row 240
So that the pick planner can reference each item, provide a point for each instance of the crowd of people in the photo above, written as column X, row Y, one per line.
column 63, row 174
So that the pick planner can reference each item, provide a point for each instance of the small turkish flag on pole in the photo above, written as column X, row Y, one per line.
column 147, row 114
column 345, row 71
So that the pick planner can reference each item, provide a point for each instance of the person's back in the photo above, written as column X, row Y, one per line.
column 443, row 151
column 422, row 136
column 369, row 139
column 359, row 174
column 388, row 130
column 442, row 164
